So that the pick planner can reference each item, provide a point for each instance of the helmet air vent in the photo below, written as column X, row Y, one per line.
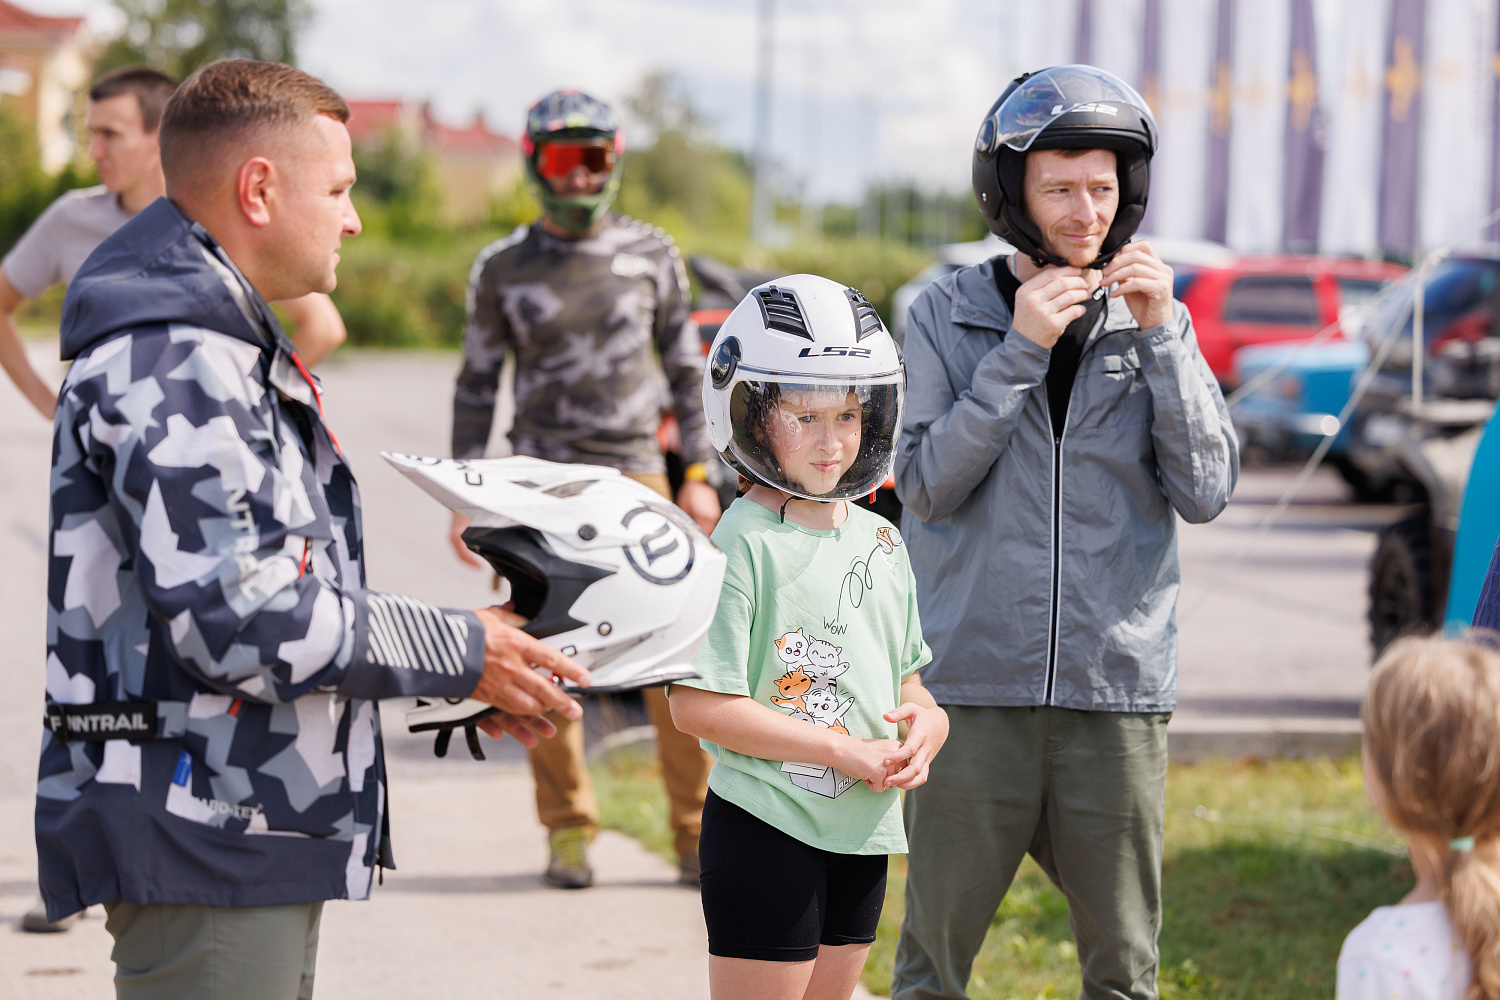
column 781, row 310
column 866, row 319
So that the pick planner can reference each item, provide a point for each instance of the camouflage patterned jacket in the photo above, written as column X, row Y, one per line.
column 206, row 601
column 586, row 319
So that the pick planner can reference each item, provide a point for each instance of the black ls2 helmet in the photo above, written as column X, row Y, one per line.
column 1064, row 107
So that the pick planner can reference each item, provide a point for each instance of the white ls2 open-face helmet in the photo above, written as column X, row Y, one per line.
column 804, row 389
column 605, row 569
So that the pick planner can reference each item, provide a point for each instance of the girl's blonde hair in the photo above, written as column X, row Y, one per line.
column 1432, row 738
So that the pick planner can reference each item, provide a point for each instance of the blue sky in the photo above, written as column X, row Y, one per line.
column 863, row 88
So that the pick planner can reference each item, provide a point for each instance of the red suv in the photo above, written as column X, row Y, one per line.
column 1263, row 300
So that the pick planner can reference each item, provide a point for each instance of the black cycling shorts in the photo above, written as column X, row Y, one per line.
column 769, row 896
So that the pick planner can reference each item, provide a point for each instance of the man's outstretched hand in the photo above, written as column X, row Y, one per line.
column 529, row 730
column 509, row 682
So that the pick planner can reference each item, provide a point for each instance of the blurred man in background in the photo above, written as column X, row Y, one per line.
column 595, row 307
column 125, row 108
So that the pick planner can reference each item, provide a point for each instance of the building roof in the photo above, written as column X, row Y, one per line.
column 369, row 120
column 18, row 24
column 476, row 136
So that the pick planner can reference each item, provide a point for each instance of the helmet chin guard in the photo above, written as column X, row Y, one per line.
column 1064, row 107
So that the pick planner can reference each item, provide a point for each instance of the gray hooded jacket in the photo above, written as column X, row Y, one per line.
column 1047, row 568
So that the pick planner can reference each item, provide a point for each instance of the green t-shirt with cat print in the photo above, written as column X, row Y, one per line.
column 821, row 626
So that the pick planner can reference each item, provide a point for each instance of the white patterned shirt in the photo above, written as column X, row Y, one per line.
column 1403, row 953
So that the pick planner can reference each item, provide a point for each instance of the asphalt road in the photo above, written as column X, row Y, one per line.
column 1271, row 626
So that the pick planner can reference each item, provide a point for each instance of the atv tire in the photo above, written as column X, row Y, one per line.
column 1401, row 582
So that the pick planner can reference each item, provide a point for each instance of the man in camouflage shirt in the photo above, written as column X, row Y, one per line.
column 594, row 306
column 212, row 767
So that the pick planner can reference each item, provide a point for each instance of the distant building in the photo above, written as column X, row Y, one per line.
column 473, row 163
column 45, row 66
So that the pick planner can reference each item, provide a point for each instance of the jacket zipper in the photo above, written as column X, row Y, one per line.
column 1057, row 443
column 1057, row 455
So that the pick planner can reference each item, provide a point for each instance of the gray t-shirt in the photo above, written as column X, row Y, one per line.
column 61, row 239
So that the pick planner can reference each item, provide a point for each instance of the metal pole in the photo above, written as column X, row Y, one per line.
column 1418, row 340
column 812, row 209
column 760, row 204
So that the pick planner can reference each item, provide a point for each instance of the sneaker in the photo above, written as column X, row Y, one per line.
column 689, row 872
column 569, row 866
column 35, row 921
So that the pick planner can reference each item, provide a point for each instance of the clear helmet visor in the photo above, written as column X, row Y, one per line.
column 1043, row 98
column 819, row 440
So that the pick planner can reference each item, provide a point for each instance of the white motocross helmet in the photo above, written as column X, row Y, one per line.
column 605, row 569
column 804, row 390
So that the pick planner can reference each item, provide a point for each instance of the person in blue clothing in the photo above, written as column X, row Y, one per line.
column 211, row 769
column 811, row 660
column 1487, row 608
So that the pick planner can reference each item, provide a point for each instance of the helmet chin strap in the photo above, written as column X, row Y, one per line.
column 1041, row 259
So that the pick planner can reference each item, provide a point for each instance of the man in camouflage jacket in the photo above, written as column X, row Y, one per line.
column 594, row 306
column 587, row 317
column 214, row 655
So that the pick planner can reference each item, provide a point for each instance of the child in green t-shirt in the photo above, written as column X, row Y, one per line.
column 811, row 660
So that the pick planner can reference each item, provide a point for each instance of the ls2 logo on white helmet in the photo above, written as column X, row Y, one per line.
column 835, row 351
column 662, row 552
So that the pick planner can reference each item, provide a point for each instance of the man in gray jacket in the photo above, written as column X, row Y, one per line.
column 1059, row 413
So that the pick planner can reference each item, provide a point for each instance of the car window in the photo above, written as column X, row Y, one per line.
column 1465, row 286
column 1354, row 294
column 1272, row 298
column 1453, row 288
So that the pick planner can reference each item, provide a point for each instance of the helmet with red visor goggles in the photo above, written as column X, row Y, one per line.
column 565, row 131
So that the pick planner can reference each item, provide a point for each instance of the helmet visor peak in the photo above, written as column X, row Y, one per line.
column 1044, row 97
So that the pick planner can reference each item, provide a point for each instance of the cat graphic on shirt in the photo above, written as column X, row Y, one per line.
column 807, row 690
column 823, row 665
column 809, row 687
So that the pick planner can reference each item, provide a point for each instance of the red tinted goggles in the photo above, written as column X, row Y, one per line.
column 559, row 159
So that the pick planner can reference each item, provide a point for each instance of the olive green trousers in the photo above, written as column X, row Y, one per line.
column 169, row 952
column 1081, row 792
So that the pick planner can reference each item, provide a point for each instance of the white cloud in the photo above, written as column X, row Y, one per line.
column 924, row 72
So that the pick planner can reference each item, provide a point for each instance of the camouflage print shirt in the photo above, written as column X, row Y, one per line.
column 205, row 569
column 587, row 320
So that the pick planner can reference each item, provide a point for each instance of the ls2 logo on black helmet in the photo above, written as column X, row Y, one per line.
column 662, row 552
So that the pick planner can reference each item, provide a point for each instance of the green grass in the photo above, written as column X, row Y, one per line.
column 1257, row 897
column 631, row 797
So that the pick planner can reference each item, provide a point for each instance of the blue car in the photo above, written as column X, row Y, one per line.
column 1299, row 407
column 1302, row 405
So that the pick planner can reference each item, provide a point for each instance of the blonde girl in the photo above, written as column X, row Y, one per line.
column 1432, row 769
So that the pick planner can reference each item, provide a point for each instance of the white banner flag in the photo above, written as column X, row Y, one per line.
column 1179, row 169
column 1456, row 125
column 1351, row 178
column 1258, row 138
